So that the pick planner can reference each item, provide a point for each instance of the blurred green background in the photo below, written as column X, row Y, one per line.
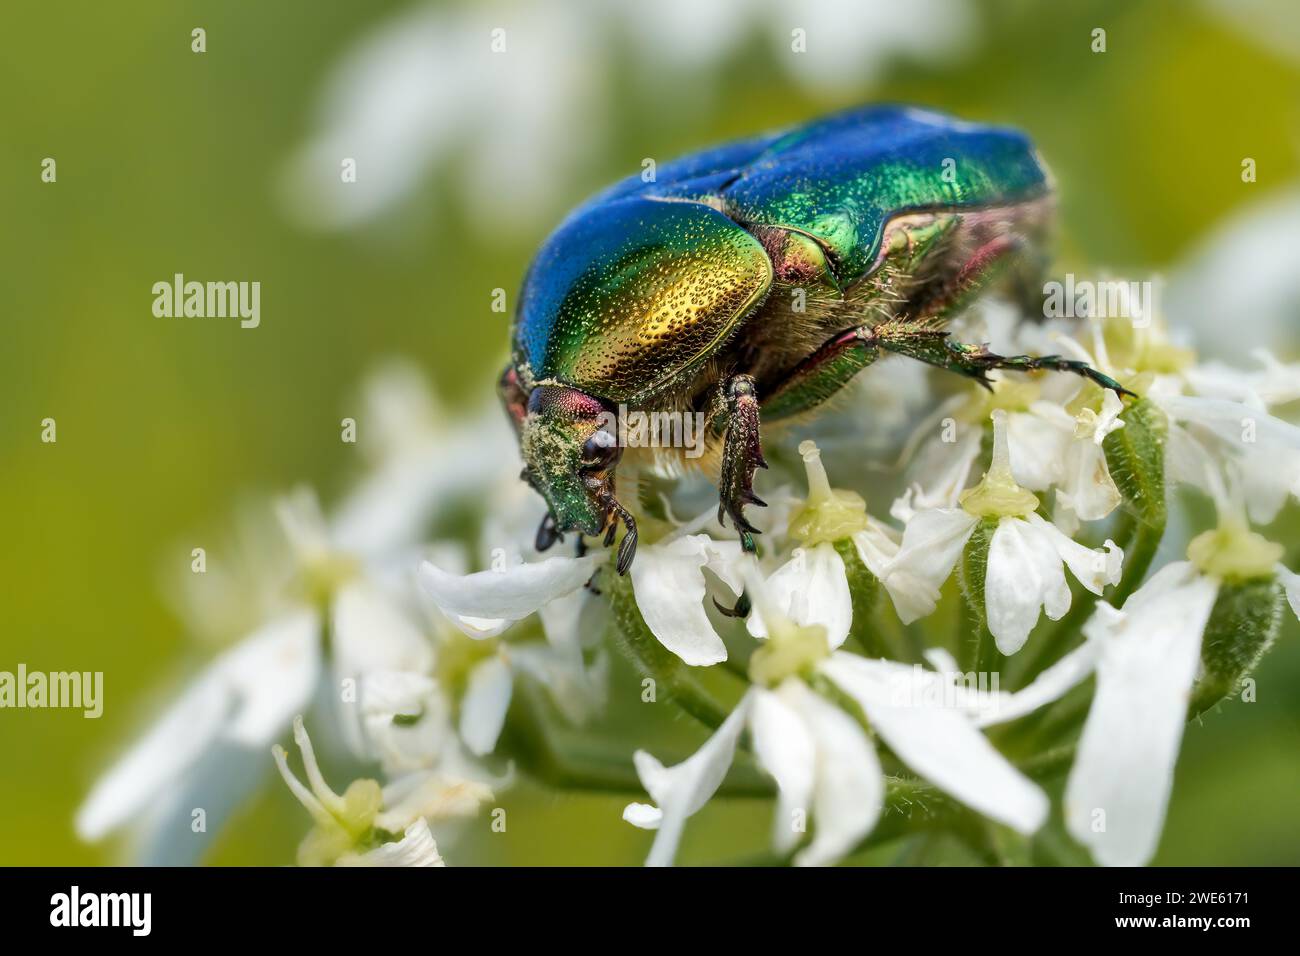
column 170, row 161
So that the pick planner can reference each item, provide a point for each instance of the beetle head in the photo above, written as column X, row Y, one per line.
column 570, row 446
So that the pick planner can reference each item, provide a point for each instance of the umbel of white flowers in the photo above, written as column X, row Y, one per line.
column 823, row 691
column 867, row 727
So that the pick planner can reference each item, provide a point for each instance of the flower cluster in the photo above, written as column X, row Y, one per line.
column 1043, row 497
column 924, row 667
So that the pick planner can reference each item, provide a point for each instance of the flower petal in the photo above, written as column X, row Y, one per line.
column 943, row 468
column 1291, row 582
column 849, row 788
column 247, row 696
column 877, row 545
column 726, row 559
column 372, row 632
column 668, row 582
column 416, row 848
column 937, row 741
column 785, row 749
column 1052, row 684
column 931, row 545
column 682, row 790
column 1038, row 443
column 507, row 595
column 1024, row 573
column 811, row 588
column 1119, row 786
column 1094, row 568
column 483, row 708
column 1086, row 487
column 401, row 745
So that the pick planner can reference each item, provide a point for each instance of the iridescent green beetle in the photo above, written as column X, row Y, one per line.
column 756, row 279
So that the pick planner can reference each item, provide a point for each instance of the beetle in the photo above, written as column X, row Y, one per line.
column 752, row 281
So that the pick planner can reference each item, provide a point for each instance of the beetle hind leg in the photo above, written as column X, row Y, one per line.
column 935, row 347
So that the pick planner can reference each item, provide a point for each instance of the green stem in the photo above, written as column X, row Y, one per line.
column 865, row 591
column 980, row 654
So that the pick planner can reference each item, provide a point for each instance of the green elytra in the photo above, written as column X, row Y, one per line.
column 752, row 281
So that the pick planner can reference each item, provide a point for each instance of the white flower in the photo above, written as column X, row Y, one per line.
column 669, row 584
column 812, row 587
column 1291, row 584
column 210, row 736
column 1263, row 450
column 416, row 848
column 359, row 827
column 1085, row 489
column 243, row 701
column 1227, row 427
column 1048, row 447
column 488, row 602
column 667, row 579
column 823, row 761
column 1147, row 655
column 1275, row 383
column 1026, row 556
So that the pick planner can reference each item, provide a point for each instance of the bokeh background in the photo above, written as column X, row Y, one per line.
column 224, row 165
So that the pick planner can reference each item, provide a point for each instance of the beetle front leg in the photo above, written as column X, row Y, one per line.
column 742, row 454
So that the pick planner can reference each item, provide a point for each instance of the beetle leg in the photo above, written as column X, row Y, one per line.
column 742, row 454
column 934, row 347
column 822, row 374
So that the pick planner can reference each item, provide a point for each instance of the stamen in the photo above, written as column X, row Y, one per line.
column 305, row 796
column 328, row 797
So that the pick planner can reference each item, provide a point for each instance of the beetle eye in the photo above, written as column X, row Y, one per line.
column 600, row 450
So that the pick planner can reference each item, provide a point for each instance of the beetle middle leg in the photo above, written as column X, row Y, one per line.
column 823, row 373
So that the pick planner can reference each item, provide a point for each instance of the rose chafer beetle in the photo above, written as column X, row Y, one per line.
column 756, row 279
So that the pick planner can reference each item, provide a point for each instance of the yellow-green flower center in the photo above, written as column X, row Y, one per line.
column 997, row 495
column 788, row 651
column 828, row 514
column 1234, row 552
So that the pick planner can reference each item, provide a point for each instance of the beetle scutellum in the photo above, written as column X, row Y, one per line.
column 677, row 294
